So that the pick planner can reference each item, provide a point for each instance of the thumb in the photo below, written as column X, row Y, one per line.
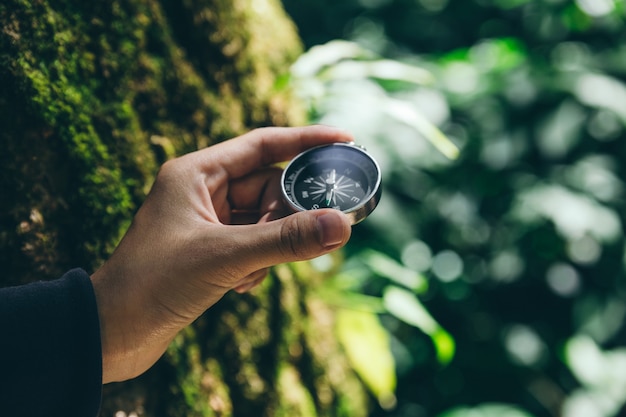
column 297, row 237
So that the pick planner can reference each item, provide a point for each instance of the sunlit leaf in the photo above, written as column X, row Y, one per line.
column 383, row 69
column 330, row 53
column 602, row 91
column 444, row 344
column 585, row 359
column 405, row 306
column 366, row 344
column 602, row 374
column 487, row 410
column 574, row 215
column 595, row 367
column 596, row 8
column 352, row 277
column 351, row 300
column 408, row 114
column 387, row 267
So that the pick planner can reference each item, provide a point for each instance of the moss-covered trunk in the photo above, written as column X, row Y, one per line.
column 94, row 95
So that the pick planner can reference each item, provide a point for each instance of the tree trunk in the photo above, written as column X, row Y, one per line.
column 94, row 96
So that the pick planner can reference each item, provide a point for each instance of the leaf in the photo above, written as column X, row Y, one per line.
column 366, row 343
column 444, row 345
column 321, row 56
column 602, row 91
column 351, row 300
column 387, row 267
column 405, row 306
column 408, row 114
column 596, row 368
column 487, row 410
column 384, row 69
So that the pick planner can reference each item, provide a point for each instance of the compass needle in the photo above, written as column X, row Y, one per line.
column 329, row 197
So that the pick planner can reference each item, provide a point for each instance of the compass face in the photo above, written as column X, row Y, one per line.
column 339, row 176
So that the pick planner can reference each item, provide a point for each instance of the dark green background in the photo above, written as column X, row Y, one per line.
column 536, row 122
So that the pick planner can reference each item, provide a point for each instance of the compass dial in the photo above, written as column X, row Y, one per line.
column 339, row 176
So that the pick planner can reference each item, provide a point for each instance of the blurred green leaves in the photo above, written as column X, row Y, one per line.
column 516, row 246
column 328, row 74
column 487, row 410
column 359, row 329
column 405, row 306
column 408, row 114
column 602, row 374
column 366, row 343
column 386, row 267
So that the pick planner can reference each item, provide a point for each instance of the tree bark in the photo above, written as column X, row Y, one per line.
column 94, row 96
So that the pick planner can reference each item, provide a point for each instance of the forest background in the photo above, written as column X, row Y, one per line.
column 488, row 282
column 516, row 247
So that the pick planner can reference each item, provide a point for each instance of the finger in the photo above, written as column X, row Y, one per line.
column 257, row 191
column 266, row 146
column 242, row 217
column 257, row 197
column 300, row 236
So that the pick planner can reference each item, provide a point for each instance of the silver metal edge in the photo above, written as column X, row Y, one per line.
column 356, row 214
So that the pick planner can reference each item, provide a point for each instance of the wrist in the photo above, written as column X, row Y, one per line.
column 127, row 349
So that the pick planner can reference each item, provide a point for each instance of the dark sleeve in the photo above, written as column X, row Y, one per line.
column 50, row 354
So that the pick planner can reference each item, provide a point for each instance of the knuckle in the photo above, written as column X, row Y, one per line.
column 170, row 172
column 168, row 169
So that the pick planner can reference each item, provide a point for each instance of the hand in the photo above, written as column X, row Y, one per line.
column 187, row 245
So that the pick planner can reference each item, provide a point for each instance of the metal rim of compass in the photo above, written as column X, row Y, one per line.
column 361, row 210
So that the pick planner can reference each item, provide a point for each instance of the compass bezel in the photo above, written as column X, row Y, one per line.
column 360, row 157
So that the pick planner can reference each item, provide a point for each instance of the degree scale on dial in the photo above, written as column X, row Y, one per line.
column 339, row 176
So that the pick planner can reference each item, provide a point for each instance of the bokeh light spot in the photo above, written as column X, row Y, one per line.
column 506, row 266
column 524, row 345
column 447, row 266
column 417, row 256
column 563, row 279
column 584, row 251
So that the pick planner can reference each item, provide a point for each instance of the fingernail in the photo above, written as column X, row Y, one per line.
column 330, row 229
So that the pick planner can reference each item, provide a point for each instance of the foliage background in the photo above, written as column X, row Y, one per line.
column 489, row 284
column 516, row 248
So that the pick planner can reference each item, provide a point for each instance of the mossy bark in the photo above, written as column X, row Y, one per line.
column 93, row 97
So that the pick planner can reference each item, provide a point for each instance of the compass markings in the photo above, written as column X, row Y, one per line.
column 329, row 190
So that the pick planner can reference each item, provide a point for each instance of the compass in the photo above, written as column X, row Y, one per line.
column 342, row 176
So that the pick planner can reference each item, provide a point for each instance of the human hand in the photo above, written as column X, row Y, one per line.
column 187, row 245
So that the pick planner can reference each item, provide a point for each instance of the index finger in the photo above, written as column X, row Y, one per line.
column 266, row 146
